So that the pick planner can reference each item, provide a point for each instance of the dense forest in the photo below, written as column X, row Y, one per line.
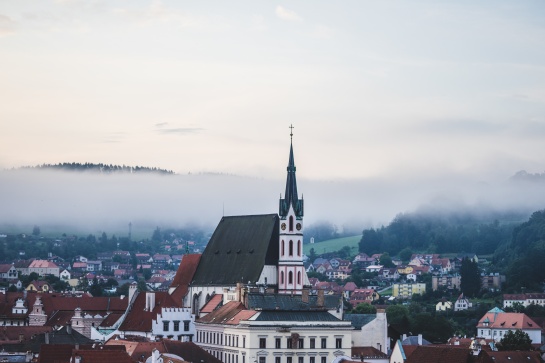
column 447, row 233
column 100, row 168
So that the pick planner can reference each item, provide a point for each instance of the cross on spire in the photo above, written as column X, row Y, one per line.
column 291, row 132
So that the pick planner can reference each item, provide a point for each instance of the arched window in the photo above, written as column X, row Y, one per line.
column 290, row 278
column 291, row 223
column 291, row 248
column 299, row 278
column 282, row 247
column 299, row 248
column 281, row 277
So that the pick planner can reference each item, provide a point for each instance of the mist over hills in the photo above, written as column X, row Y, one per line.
column 95, row 201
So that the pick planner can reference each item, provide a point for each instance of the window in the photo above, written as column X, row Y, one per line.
column 186, row 325
column 291, row 223
column 324, row 343
column 299, row 248
column 339, row 343
column 324, row 359
column 289, row 359
column 261, row 359
column 312, row 360
column 282, row 247
column 290, row 277
column 277, row 343
column 277, row 359
column 301, row 343
column 282, row 277
column 312, row 344
column 299, row 277
column 289, row 343
column 165, row 325
column 244, row 341
column 176, row 326
column 290, row 248
column 301, row 359
column 262, row 342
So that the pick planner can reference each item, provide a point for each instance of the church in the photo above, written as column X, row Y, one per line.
column 263, row 252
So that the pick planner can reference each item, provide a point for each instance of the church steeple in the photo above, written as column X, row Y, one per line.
column 290, row 196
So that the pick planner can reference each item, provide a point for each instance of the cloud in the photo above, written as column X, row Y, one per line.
column 286, row 14
column 161, row 124
column 179, row 130
column 7, row 26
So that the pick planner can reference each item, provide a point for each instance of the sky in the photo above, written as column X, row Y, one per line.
column 410, row 96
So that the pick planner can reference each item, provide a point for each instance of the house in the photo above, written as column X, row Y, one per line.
column 79, row 266
column 443, row 305
column 8, row 271
column 462, row 303
column 374, row 268
column 43, row 267
column 38, row 286
column 495, row 323
column 65, row 275
column 363, row 296
column 525, row 300
column 94, row 266
column 492, row 281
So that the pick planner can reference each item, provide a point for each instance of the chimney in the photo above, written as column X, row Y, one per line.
column 320, row 300
column 238, row 292
column 21, row 337
column 304, row 296
column 77, row 359
column 150, row 301
column 419, row 339
column 132, row 291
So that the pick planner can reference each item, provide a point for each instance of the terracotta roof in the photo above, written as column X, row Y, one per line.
column 184, row 275
column 42, row 264
column 510, row 357
column 439, row 354
column 101, row 354
column 507, row 321
column 111, row 319
column 242, row 315
column 4, row 268
column 223, row 314
column 212, row 304
column 13, row 334
column 367, row 352
column 138, row 319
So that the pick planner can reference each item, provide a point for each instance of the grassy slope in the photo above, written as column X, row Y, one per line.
column 334, row 245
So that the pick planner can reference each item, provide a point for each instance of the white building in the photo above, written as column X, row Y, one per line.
column 496, row 323
column 462, row 303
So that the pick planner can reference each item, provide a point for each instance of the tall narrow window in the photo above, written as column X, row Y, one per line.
column 299, row 248
column 291, row 248
column 283, row 248
column 290, row 277
column 291, row 223
column 299, row 277
column 281, row 277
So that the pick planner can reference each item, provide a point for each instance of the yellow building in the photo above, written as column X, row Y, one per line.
column 406, row 291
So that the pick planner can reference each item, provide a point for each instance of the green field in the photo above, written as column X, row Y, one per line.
column 332, row 245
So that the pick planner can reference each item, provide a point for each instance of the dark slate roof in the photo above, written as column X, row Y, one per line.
column 238, row 250
column 359, row 320
column 289, row 302
column 290, row 196
column 295, row 316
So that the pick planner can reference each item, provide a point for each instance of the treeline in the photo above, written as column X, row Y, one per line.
column 525, row 256
column 100, row 168
column 437, row 234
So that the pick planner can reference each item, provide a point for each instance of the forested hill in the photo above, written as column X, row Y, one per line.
column 442, row 233
column 100, row 168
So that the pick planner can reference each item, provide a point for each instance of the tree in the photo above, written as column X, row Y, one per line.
column 312, row 255
column 405, row 254
column 396, row 313
column 156, row 235
column 95, row 288
column 470, row 283
column 36, row 231
column 386, row 261
column 515, row 340
column 365, row 308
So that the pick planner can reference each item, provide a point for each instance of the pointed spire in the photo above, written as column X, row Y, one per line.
column 290, row 196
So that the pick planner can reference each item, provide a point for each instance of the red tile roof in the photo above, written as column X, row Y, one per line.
column 223, row 314
column 439, row 354
column 184, row 276
column 507, row 321
column 212, row 304
column 368, row 352
column 138, row 319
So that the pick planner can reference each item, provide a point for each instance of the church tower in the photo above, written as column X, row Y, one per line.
column 291, row 272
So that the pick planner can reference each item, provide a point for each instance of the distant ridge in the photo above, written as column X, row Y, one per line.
column 523, row 175
column 101, row 168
